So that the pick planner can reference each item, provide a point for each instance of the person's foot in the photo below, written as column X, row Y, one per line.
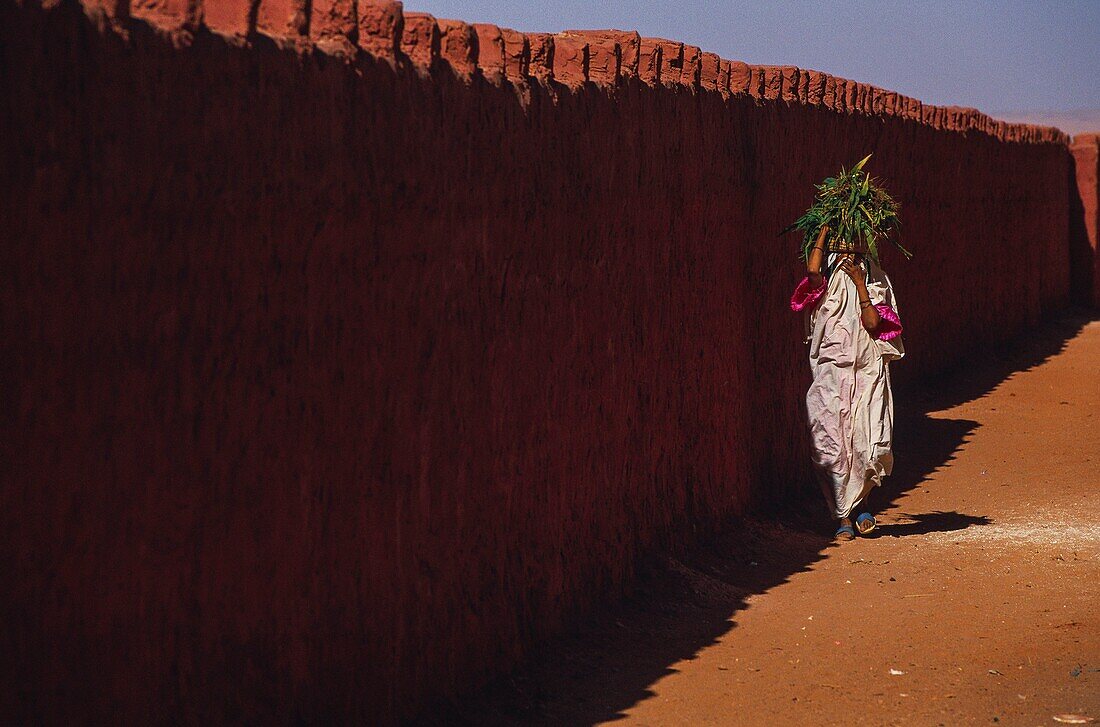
column 844, row 531
column 865, row 523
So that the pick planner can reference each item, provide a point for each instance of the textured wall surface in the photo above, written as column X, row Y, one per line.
column 1085, row 220
column 348, row 352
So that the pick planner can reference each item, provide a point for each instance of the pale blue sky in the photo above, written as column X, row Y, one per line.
column 995, row 56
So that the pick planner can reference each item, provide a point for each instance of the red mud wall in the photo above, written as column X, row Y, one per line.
column 1085, row 220
column 347, row 354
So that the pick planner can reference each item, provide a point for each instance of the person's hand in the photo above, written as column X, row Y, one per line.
column 853, row 269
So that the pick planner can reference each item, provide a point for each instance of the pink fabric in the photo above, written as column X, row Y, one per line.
column 806, row 297
column 889, row 326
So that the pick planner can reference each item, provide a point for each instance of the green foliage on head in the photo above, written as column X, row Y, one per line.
column 857, row 211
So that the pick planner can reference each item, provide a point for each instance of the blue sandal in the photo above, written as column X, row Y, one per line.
column 865, row 523
column 845, row 530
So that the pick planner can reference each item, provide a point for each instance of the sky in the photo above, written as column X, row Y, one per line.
column 1010, row 55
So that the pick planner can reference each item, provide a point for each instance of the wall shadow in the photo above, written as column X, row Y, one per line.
column 681, row 605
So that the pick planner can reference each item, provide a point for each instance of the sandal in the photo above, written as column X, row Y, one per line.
column 845, row 532
column 865, row 523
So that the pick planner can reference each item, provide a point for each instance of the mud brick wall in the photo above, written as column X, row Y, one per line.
column 1085, row 220
column 349, row 352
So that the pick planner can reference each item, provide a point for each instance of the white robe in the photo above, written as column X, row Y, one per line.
column 849, row 405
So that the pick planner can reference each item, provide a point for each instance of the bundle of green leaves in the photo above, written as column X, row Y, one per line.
column 857, row 211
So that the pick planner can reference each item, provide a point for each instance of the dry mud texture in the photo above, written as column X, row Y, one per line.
column 981, row 584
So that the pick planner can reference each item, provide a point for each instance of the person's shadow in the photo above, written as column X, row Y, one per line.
column 933, row 522
column 680, row 605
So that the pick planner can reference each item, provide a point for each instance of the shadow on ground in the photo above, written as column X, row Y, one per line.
column 679, row 606
column 933, row 522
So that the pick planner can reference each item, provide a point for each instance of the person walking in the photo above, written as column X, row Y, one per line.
column 853, row 332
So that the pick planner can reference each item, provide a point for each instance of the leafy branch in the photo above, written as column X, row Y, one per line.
column 857, row 211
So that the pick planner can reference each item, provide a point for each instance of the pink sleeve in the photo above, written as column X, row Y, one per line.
column 889, row 326
column 804, row 296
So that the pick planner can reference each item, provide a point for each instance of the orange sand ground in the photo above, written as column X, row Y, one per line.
column 982, row 587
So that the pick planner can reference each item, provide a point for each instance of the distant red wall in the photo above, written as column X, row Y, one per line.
column 333, row 380
column 1085, row 220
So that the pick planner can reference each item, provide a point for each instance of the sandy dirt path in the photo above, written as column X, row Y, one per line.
column 978, row 601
